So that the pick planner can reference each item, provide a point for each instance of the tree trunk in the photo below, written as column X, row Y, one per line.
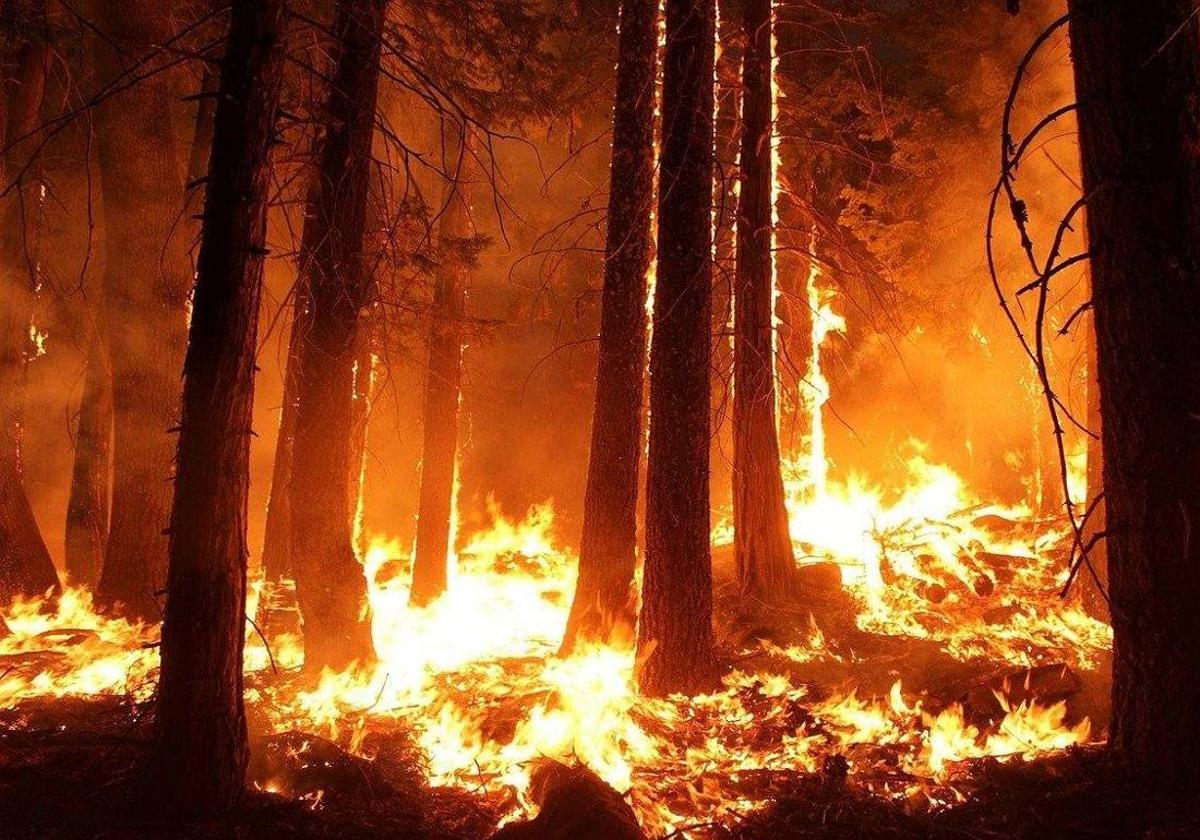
column 363, row 397
column 329, row 580
column 147, row 278
column 1137, row 73
column 608, row 544
column 443, row 379
column 88, row 506
column 766, row 567
column 277, row 538
column 201, row 756
column 25, row 564
column 675, row 639
column 1093, row 582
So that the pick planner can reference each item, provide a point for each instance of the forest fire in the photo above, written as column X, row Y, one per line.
column 525, row 420
column 475, row 674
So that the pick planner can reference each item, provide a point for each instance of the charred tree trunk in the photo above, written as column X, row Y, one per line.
column 25, row 564
column 609, row 541
column 329, row 580
column 675, row 638
column 201, row 757
column 766, row 567
column 443, row 378
column 88, row 506
column 1137, row 73
column 147, row 278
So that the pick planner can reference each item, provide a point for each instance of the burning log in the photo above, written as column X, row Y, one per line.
column 575, row 805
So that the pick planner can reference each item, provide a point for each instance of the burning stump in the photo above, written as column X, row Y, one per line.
column 575, row 805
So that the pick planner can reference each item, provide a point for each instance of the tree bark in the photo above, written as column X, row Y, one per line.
column 202, row 753
column 329, row 580
column 443, row 380
column 608, row 545
column 147, row 278
column 675, row 638
column 1137, row 73
column 766, row 567
column 277, row 538
column 88, row 505
column 1093, row 582
column 25, row 564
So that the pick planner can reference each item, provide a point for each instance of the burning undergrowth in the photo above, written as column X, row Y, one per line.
column 951, row 647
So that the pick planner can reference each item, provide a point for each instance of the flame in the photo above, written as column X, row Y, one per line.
column 474, row 675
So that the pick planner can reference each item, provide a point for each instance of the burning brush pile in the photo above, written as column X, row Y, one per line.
column 949, row 649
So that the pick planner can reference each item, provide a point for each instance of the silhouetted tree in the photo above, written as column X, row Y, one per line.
column 609, row 541
column 201, row 756
column 1137, row 71
column 675, row 638
column 329, row 582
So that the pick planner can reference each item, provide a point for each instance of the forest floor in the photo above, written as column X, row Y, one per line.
column 71, row 768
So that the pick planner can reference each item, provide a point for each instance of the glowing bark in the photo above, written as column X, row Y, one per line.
column 442, row 386
column 675, row 638
column 609, row 541
column 762, row 545
column 329, row 580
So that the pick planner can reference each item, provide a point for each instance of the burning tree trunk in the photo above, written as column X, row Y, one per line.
column 201, row 758
column 675, row 639
column 762, row 545
column 442, row 384
column 329, row 580
column 609, row 540
column 25, row 565
column 362, row 398
column 147, row 278
column 87, row 508
column 1137, row 71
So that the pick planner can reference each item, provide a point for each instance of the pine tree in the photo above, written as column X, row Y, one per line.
column 675, row 638
column 1137, row 72
column 202, row 753
column 329, row 581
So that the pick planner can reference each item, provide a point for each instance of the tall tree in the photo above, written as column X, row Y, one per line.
column 277, row 537
column 201, row 756
column 25, row 564
column 88, row 504
column 609, row 540
column 1137, row 75
column 147, row 278
column 329, row 581
column 443, row 378
column 675, row 638
column 766, row 567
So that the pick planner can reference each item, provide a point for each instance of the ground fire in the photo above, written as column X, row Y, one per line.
column 607, row 419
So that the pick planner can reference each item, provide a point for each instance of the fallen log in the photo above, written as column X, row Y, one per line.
column 575, row 805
